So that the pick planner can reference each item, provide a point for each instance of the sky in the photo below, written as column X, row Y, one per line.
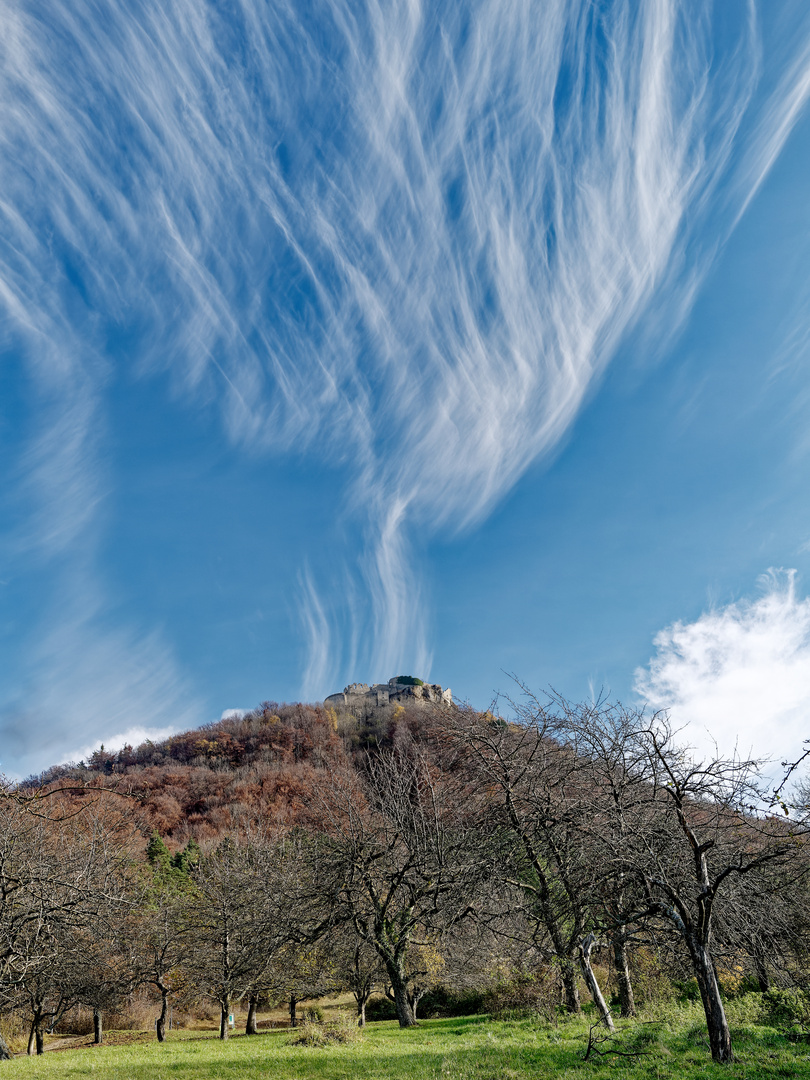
column 348, row 339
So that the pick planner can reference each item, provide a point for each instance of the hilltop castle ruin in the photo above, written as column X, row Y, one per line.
column 400, row 689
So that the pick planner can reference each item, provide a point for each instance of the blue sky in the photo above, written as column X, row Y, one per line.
column 344, row 340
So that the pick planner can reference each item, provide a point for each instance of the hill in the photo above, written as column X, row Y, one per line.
column 244, row 769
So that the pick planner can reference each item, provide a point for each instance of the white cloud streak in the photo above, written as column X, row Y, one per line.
column 775, row 125
column 320, row 666
column 739, row 675
column 406, row 238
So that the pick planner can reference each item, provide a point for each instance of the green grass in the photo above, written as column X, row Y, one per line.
column 472, row 1048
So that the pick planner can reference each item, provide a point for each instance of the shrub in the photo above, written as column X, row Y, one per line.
column 787, row 1010
column 688, row 990
column 381, row 1008
column 528, row 994
column 77, row 1021
column 342, row 1030
column 652, row 984
column 443, row 1001
column 731, row 977
column 14, row 1029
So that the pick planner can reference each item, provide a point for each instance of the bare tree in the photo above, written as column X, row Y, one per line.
column 399, row 858
column 250, row 901
column 63, row 877
column 358, row 968
column 695, row 839
column 622, row 832
column 226, row 926
column 540, row 792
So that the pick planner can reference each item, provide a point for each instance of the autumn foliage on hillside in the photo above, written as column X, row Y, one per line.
column 260, row 767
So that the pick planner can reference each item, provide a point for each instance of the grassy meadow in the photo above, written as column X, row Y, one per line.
column 471, row 1048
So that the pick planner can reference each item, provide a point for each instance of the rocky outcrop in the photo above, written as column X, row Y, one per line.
column 361, row 695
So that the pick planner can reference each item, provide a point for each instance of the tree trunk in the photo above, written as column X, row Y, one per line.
column 98, row 1030
column 570, row 986
column 40, row 1037
column 763, row 978
column 399, row 988
column 160, row 1026
column 293, row 1017
column 586, row 945
column 361, row 1012
column 223, row 1018
column 716, row 1023
column 250, row 1025
column 627, row 1004
column 31, row 1039
column 413, row 1001
column 5, row 1053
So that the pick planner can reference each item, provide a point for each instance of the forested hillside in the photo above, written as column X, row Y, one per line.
column 240, row 770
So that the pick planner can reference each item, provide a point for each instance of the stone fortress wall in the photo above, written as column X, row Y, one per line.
column 361, row 695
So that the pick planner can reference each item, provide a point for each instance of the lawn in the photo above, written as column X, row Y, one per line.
column 472, row 1048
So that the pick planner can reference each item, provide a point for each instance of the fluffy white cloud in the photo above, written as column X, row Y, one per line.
column 738, row 674
column 233, row 714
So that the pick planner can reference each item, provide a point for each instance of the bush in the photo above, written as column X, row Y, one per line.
column 745, row 1009
column 526, row 995
column 77, row 1021
column 381, row 1008
column 731, row 977
column 652, row 982
column 443, row 1001
column 342, row 1030
column 688, row 990
column 787, row 1010
column 14, row 1029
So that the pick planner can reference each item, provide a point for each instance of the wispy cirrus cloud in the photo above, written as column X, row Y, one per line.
column 86, row 682
column 403, row 238
column 739, row 675
column 774, row 125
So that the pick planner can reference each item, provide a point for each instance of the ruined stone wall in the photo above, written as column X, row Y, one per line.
column 361, row 695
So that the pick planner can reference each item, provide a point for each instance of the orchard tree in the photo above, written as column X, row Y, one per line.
column 357, row 967
column 226, row 925
column 399, row 857
column 702, row 834
column 164, row 936
column 686, row 844
column 250, row 900
column 539, row 794
column 64, row 874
